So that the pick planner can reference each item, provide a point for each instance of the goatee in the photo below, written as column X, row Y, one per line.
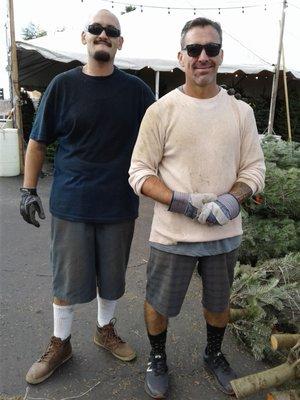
column 102, row 56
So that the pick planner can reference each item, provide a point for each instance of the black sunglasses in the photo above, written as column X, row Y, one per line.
column 211, row 49
column 97, row 29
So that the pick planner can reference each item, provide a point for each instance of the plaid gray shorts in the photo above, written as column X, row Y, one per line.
column 85, row 256
column 169, row 275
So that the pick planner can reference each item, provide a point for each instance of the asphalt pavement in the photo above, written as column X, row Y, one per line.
column 26, row 321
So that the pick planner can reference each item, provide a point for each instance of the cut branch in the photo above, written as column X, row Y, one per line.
column 287, row 395
column 284, row 341
column 263, row 380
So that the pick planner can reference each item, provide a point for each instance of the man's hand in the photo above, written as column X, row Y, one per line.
column 221, row 211
column 29, row 205
column 190, row 204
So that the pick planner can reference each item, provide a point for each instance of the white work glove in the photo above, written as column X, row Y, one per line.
column 220, row 212
column 190, row 204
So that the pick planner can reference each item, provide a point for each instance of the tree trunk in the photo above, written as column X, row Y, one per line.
column 263, row 380
column 284, row 340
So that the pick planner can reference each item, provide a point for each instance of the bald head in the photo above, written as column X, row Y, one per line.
column 100, row 14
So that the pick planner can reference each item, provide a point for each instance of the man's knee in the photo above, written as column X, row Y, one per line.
column 218, row 319
column 60, row 302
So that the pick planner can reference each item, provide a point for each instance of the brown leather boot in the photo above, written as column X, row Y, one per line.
column 108, row 338
column 58, row 352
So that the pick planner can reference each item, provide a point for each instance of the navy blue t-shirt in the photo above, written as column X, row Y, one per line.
column 96, row 122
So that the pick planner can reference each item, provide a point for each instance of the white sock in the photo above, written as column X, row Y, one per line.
column 106, row 310
column 63, row 318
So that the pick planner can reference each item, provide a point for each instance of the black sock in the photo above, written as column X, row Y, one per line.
column 158, row 342
column 214, row 339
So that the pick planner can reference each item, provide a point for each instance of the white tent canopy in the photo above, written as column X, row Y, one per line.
column 151, row 39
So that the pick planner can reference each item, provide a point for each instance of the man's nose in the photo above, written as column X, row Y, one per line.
column 103, row 34
column 203, row 56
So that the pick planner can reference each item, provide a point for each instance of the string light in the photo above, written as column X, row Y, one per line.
column 184, row 8
column 194, row 11
column 141, row 8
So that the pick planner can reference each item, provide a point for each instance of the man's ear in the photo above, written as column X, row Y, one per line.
column 83, row 39
column 180, row 59
column 120, row 42
column 222, row 56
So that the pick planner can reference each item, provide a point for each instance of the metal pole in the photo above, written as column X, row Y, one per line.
column 14, row 76
column 286, row 95
column 277, row 69
column 156, row 85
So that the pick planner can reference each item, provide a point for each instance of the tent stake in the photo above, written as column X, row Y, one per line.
column 276, row 74
column 286, row 94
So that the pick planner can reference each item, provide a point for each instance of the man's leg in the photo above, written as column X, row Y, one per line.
column 156, row 384
column 168, row 278
column 217, row 275
column 59, row 350
column 73, row 282
column 113, row 243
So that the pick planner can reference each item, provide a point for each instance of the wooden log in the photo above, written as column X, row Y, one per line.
column 287, row 395
column 284, row 340
column 237, row 314
column 263, row 380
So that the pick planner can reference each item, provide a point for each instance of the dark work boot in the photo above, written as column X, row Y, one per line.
column 217, row 364
column 157, row 380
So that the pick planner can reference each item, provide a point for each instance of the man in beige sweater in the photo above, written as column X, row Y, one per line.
column 198, row 156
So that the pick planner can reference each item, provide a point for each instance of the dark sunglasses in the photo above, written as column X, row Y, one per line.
column 211, row 49
column 97, row 29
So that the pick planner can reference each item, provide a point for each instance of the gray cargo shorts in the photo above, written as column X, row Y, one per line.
column 87, row 256
column 169, row 275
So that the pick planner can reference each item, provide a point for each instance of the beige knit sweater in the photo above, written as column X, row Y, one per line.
column 196, row 146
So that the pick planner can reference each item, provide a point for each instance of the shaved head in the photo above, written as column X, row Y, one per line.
column 100, row 13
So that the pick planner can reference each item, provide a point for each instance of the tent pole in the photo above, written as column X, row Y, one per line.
column 156, row 85
column 14, row 78
column 276, row 75
column 286, row 95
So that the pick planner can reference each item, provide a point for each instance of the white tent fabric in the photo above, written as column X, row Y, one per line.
column 151, row 39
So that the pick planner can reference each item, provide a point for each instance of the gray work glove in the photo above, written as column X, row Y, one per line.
column 190, row 204
column 221, row 211
column 29, row 205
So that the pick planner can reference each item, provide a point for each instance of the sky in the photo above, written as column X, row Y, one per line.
column 53, row 15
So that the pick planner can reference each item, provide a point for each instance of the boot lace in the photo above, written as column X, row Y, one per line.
column 112, row 336
column 54, row 343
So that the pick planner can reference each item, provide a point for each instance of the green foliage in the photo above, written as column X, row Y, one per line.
column 281, row 197
column 267, row 238
column 32, row 31
column 284, row 154
column 271, row 294
column 271, row 220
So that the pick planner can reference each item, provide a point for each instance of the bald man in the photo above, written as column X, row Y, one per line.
column 94, row 113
